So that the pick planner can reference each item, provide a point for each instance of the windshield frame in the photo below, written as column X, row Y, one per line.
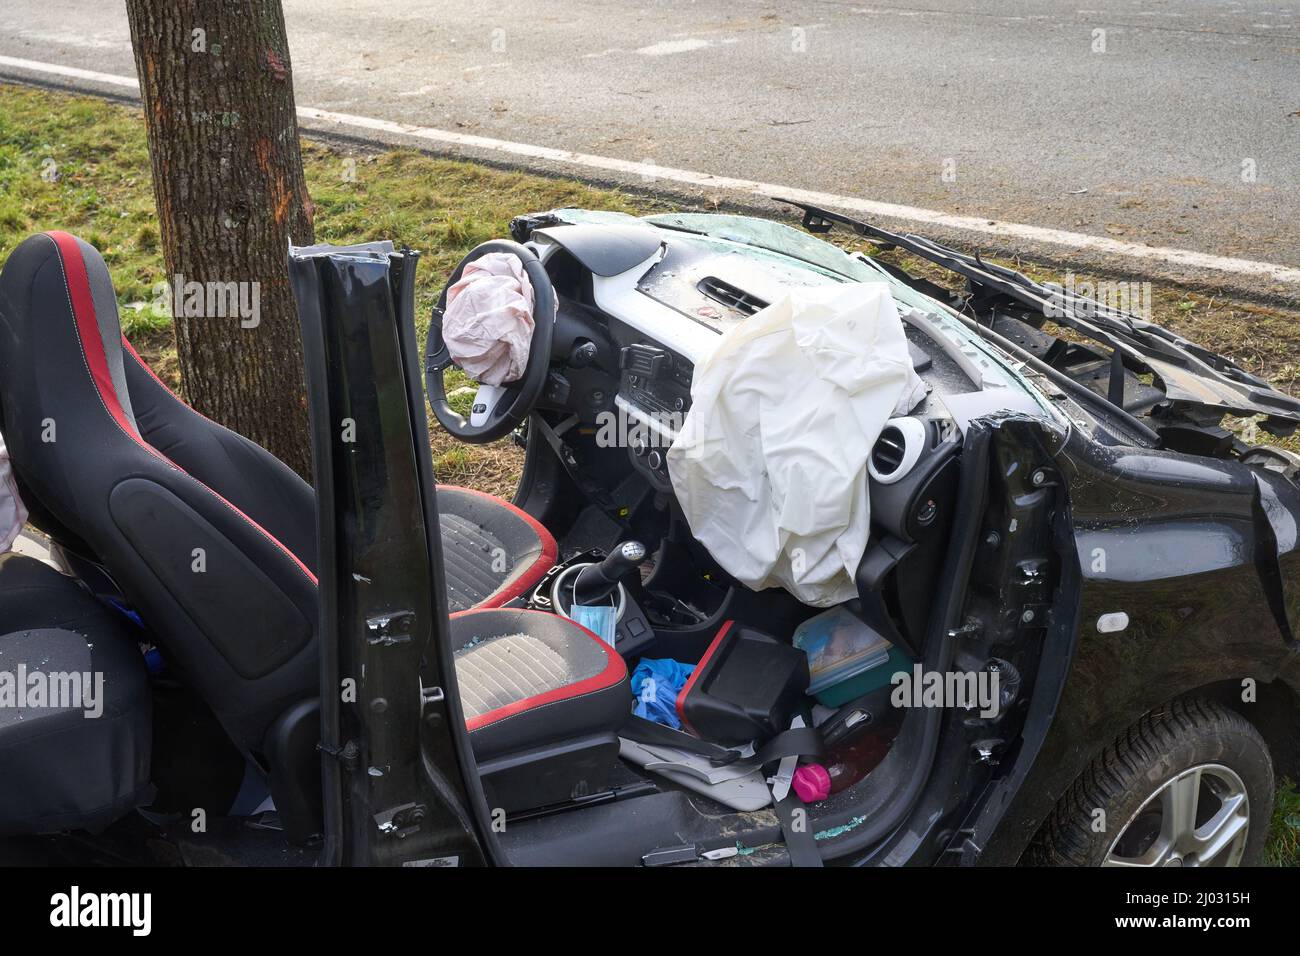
column 801, row 245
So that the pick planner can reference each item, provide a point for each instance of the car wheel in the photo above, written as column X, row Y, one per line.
column 1190, row 784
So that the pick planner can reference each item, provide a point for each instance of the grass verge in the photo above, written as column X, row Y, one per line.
column 82, row 164
column 1284, row 845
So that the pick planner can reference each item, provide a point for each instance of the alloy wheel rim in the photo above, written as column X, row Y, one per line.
column 1201, row 817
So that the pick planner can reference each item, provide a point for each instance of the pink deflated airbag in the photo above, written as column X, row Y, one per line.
column 488, row 323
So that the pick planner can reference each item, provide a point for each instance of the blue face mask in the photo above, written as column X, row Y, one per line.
column 601, row 621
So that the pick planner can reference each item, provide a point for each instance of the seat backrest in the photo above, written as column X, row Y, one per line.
column 230, row 602
column 241, row 471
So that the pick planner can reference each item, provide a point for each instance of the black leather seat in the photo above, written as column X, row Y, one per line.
column 544, row 699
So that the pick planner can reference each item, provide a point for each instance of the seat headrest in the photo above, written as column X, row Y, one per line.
column 90, row 299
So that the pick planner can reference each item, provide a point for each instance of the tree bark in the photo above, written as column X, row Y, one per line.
column 229, row 185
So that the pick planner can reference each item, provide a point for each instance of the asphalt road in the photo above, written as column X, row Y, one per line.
column 1166, row 122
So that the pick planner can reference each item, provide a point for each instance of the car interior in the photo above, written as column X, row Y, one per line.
column 173, row 536
column 672, row 599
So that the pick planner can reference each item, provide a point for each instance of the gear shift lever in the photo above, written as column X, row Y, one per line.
column 597, row 581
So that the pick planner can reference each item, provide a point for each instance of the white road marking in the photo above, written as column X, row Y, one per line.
column 673, row 46
column 75, row 39
column 71, row 72
column 651, row 172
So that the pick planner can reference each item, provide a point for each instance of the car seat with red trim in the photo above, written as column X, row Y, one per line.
column 211, row 538
column 544, row 699
column 492, row 551
column 207, row 534
column 232, row 605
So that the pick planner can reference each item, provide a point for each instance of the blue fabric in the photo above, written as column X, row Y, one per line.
column 655, row 685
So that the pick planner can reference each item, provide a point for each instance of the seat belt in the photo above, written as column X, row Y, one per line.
column 588, row 486
column 796, row 742
column 800, row 844
column 785, row 748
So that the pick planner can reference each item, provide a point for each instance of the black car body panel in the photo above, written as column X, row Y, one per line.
column 399, row 778
column 606, row 251
column 1204, row 571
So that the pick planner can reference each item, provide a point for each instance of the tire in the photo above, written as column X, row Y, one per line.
column 1191, row 759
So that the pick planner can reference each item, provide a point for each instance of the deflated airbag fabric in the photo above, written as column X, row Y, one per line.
column 488, row 323
column 770, row 466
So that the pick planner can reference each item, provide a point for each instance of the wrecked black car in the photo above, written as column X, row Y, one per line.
column 1067, row 636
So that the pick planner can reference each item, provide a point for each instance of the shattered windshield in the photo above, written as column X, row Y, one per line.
column 773, row 236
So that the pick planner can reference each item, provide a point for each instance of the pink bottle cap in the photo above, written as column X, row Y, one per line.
column 811, row 782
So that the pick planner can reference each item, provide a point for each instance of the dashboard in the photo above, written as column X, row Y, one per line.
column 640, row 311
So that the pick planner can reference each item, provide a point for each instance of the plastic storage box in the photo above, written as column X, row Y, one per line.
column 846, row 658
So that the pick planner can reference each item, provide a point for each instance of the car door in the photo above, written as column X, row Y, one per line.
column 400, row 784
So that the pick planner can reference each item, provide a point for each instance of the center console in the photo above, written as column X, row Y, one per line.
column 554, row 593
column 655, row 394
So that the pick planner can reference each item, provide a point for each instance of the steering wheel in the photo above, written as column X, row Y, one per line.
column 497, row 409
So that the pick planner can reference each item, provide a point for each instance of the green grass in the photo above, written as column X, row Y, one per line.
column 1284, row 846
column 96, row 183
column 78, row 164
column 82, row 164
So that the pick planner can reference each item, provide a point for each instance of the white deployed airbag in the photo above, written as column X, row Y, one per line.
column 770, row 466
column 12, row 513
column 488, row 323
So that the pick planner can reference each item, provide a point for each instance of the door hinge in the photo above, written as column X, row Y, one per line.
column 431, row 699
column 400, row 821
column 347, row 755
column 390, row 627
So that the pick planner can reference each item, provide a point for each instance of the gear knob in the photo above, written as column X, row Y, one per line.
column 597, row 581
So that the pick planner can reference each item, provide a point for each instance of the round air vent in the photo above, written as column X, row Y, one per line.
column 897, row 450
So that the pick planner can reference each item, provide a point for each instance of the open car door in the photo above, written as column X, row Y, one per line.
column 399, row 778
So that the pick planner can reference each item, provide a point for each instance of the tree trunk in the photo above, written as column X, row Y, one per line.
column 228, row 181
